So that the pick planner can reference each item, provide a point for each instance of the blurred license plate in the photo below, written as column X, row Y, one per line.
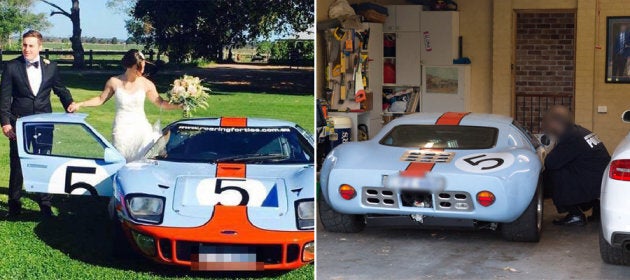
column 225, row 258
column 406, row 182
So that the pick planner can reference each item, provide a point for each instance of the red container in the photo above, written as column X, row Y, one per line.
column 389, row 72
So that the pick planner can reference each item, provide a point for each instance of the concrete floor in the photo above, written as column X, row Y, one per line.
column 410, row 253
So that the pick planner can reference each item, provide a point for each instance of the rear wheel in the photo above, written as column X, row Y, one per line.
column 334, row 221
column 611, row 254
column 528, row 227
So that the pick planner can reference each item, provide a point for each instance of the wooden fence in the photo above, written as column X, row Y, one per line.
column 90, row 55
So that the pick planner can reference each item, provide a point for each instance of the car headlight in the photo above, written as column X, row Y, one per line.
column 145, row 208
column 305, row 213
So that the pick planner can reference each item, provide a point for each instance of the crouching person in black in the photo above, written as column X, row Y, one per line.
column 574, row 167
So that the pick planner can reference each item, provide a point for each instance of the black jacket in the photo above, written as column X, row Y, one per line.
column 17, row 98
column 576, row 166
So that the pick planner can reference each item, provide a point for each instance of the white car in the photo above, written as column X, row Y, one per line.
column 614, row 238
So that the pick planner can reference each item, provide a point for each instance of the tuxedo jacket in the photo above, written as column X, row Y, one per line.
column 16, row 97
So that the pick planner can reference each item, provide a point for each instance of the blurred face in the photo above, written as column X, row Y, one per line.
column 142, row 64
column 553, row 126
column 31, row 47
column 623, row 28
column 139, row 69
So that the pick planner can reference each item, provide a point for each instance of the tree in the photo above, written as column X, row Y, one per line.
column 204, row 29
column 113, row 41
column 130, row 41
column 65, row 40
column 78, row 53
column 264, row 47
column 92, row 40
column 15, row 17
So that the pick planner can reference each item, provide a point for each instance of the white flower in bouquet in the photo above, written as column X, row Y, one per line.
column 189, row 92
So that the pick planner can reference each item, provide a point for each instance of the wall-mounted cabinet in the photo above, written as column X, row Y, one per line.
column 413, row 37
column 408, row 58
column 440, row 32
column 403, row 18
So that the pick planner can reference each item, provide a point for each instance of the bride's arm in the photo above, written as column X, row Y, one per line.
column 107, row 93
column 156, row 99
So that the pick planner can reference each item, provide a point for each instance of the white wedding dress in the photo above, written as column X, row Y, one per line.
column 132, row 133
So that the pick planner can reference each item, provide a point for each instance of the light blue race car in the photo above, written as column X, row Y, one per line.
column 451, row 169
column 210, row 194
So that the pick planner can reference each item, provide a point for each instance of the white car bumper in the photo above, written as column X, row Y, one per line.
column 615, row 209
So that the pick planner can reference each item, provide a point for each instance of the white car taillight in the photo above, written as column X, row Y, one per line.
column 620, row 170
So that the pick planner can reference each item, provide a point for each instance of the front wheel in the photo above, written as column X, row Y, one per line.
column 334, row 221
column 528, row 227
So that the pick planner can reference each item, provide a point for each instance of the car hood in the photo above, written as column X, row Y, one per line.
column 191, row 190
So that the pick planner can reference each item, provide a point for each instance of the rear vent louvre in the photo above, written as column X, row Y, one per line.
column 427, row 156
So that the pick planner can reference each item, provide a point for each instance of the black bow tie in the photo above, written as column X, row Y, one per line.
column 34, row 64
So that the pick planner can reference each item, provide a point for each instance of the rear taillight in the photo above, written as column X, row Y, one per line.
column 620, row 170
column 347, row 192
column 485, row 198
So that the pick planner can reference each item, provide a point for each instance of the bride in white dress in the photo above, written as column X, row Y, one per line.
column 132, row 133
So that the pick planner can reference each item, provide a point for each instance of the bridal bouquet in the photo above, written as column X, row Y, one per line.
column 189, row 92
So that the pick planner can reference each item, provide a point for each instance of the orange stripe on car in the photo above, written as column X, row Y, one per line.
column 231, row 170
column 451, row 118
column 233, row 122
column 417, row 169
column 225, row 218
column 420, row 169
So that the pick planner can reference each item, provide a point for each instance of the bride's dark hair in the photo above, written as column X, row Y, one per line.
column 131, row 58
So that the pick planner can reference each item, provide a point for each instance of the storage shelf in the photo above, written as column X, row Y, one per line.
column 397, row 85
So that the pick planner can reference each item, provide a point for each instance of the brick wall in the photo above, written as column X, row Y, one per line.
column 544, row 64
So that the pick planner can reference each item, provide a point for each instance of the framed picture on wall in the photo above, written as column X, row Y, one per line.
column 618, row 49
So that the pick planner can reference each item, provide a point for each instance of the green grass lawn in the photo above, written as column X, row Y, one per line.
column 77, row 244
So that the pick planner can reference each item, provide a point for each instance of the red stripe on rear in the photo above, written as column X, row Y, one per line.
column 417, row 169
column 233, row 122
column 451, row 118
column 231, row 170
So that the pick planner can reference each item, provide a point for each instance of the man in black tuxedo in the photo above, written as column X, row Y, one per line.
column 25, row 90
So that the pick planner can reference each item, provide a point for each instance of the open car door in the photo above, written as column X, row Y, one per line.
column 62, row 154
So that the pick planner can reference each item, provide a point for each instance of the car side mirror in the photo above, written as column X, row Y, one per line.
column 112, row 156
column 625, row 117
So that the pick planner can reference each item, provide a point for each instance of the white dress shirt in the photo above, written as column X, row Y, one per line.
column 34, row 76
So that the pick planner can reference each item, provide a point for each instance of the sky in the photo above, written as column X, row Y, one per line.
column 98, row 21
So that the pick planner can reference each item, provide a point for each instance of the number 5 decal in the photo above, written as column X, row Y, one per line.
column 485, row 162
column 242, row 193
column 470, row 160
column 69, row 187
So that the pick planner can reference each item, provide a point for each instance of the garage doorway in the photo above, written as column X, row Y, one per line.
column 544, row 63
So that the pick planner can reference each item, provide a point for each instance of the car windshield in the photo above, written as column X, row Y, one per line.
column 441, row 137
column 212, row 144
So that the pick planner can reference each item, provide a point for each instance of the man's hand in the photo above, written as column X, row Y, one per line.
column 542, row 153
column 8, row 131
column 73, row 107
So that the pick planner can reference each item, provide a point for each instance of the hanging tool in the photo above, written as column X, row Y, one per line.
column 343, row 93
column 359, row 95
column 364, row 37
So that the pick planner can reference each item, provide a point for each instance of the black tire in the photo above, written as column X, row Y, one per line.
column 528, row 227
column 334, row 221
column 611, row 254
column 121, row 247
